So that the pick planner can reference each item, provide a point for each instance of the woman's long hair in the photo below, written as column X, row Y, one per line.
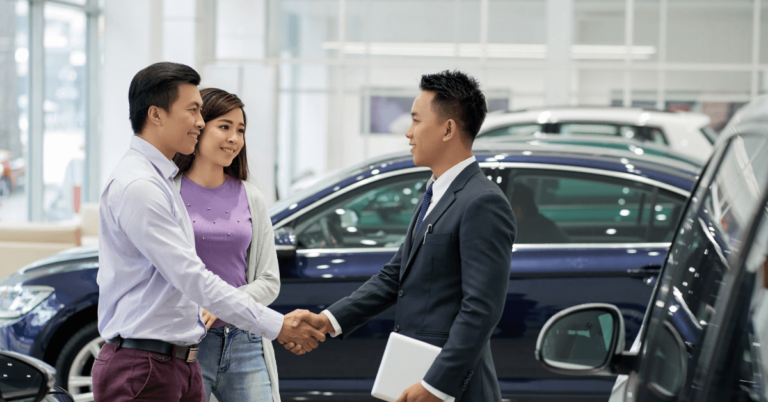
column 217, row 103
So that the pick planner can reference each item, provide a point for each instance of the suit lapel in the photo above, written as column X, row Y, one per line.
column 445, row 202
column 414, row 218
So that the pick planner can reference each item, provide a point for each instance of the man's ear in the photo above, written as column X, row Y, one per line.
column 155, row 115
column 450, row 130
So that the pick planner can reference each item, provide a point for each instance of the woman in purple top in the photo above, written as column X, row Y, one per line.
column 233, row 237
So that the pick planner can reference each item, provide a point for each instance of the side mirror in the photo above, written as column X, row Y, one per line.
column 285, row 242
column 24, row 378
column 583, row 340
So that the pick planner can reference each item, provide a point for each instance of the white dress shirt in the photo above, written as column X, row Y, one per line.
column 439, row 187
column 151, row 282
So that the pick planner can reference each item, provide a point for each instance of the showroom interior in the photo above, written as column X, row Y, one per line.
column 328, row 86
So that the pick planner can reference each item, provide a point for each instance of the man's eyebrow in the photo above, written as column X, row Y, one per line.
column 414, row 114
column 195, row 103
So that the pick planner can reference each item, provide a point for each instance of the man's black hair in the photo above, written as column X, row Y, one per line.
column 458, row 97
column 157, row 85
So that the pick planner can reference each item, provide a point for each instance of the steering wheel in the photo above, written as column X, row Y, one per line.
column 331, row 232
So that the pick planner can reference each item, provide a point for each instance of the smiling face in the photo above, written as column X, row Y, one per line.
column 426, row 134
column 182, row 125
column 222, row 139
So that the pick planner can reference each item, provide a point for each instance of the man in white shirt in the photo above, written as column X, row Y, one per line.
column 152, row 285
column 449, row 278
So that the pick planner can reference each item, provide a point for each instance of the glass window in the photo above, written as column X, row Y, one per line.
column 512, row 131
column 374, row 216
column 710, row 235
column 14, row 108
column 567, row 207
column 65, row 110
column 588, row 128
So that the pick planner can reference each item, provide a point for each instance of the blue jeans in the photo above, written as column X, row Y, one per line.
column 233, row 366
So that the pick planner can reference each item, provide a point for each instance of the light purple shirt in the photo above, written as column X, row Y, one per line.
column 151, row 282
column 223, row 229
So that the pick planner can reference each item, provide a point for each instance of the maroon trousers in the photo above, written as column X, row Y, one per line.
column 135, row 375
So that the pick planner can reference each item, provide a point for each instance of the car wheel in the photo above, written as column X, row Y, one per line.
column 73, row 367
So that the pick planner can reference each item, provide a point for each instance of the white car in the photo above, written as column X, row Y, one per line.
column 684, row 132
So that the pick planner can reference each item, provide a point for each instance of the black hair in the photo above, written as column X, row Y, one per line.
column 458, row 97
column 522, row 196
column 157, row 85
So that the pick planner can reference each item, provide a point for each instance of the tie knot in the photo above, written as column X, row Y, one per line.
column 429, row 189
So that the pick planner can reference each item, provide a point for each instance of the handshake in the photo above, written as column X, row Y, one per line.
column 302, row 330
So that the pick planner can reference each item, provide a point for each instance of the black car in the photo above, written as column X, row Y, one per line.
column 704, row 332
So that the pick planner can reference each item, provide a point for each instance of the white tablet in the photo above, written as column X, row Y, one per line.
column 405, row 362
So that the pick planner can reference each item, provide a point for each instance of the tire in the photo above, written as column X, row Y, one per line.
column 76, row 361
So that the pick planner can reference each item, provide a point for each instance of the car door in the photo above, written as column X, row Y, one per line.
column 611, row 252
column 342, row 241
column 583, row 235
column 698, row 276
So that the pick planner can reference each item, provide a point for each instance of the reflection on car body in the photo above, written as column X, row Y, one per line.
column 703, row 333
column 618, row 209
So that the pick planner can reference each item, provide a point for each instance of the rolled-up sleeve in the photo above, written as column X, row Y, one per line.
column 145, row 215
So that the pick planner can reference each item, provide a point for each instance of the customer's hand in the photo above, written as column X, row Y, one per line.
column 319, row 321
column 299, row 331
column 208, row 319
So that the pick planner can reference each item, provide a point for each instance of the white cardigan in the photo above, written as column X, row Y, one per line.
column 263, row 274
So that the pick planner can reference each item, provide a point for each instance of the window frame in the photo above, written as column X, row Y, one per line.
column 290, row 219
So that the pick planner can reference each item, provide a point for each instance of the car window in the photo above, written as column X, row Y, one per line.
column 373, row 216
column 515, row 130
column 556, row 206
column 738, row 366
column 637, row 133
column 710, row 234
column 589, row 128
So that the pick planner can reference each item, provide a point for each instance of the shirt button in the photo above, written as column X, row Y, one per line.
column 397, row 328
column 400, row 293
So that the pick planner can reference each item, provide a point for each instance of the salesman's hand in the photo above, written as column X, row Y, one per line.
column 417, row 393
column 319, row 321
column 297, row 330
column 208, row 318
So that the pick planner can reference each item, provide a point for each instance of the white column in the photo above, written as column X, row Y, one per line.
column 35, row 188
column 559, row 39
column 130, row 44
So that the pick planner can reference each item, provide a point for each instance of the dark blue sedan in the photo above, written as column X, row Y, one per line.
column 610, row 213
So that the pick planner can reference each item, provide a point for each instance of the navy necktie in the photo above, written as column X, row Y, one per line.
column 424, row 208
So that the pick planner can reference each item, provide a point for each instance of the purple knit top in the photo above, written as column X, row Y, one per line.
column 223, row 229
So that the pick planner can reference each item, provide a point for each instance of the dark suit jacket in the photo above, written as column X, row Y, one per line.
column 449, row 290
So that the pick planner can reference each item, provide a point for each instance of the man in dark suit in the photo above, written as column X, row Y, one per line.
column 448, row 281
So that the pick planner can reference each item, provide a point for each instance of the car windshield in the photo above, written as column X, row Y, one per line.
column 324, row 182
column 709, row 134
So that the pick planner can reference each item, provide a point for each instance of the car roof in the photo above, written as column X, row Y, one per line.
column 622, row 115
column 606, row 142
column 670, row 171
column 752, row 117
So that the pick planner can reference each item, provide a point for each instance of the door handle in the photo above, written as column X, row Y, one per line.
column 645, row 271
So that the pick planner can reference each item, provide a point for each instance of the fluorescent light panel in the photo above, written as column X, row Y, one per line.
column 493, row 50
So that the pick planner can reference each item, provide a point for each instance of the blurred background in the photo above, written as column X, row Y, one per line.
column 329, row 83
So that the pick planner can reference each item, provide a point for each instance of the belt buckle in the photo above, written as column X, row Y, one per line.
column 192, row 353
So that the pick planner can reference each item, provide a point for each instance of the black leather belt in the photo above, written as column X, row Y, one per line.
column 186, row 353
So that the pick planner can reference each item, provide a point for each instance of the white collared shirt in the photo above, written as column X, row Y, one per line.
column 439, row 187
column 442, row 183
column 151, row 281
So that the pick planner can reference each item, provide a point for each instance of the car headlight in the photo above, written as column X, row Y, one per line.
column 15, row 301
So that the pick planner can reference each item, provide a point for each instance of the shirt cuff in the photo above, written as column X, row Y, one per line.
column 336, row 327
column 270, row 324
column 442, row 395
